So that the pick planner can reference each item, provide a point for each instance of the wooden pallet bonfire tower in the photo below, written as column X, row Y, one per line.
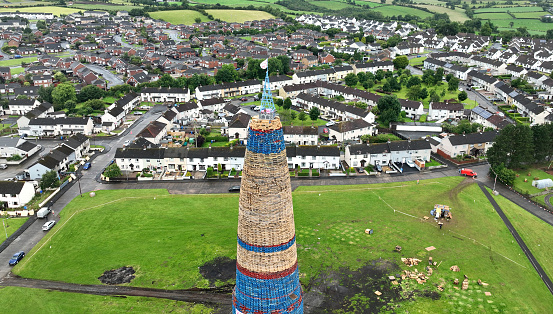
column 267, row 275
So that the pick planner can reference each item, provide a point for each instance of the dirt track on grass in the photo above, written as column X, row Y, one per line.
column 216, row 296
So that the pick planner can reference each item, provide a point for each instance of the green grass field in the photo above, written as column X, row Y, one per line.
column 16, row 62
column 417, row 61
column 529, row 15
column 394, row 10
column 527, row 186
column 512, row 10
column 27, row 300
column 17, row 70
column 115, row 228
column 239, row 15
column 49, row 9
column 9, row 226
column 494, row 16
column 454, row 15
column 105, row 7
column 186, row 17
column 332, row 5
column 536, row 233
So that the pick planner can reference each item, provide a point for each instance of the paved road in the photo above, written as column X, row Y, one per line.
column 519, row 240
column 548, row 201
column 112, row 79
column 118, row 39
column 5, row 56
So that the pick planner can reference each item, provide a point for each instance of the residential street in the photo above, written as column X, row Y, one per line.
column 112, row 79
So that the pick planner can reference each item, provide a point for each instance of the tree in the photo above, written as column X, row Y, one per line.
column 62, row 93
column 413, row 80
column 90, row 92
column 112, row 171
column 314, row 113
column 368, row 84
column 423, row 93
column 45, row 93
column 351, row 79
column 513, row 147
column 70, row 105
column 198, row 20
column 60, row 77
column 95, row 104
column 434, row 97
column 389, row 108
column 549, row 34
column 428, row 77
column 507, row 176
column 279, row 102
column 462, row 96
column 439, row 75
column 448, row 77
column 287, row 104
column 49, row 180
column 543, row 142
column 414, row 92
column 453, row 84
column 401, row 62
column 302, row 117
column 293, row 115
column 227, row 73
column 362, row 77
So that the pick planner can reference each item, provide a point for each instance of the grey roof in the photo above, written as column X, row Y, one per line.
column 10, row 187
column 473, row 138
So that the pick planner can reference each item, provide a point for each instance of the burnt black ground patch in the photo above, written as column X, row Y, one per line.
column 353, row 291
column 220, row 268
column 117, row 276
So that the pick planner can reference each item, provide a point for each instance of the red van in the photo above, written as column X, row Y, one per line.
column 467, row 172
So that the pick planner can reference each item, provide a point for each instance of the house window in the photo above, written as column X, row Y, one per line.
column 303, row 164
column 201, row 160
column 215, row 158
column 147, row 160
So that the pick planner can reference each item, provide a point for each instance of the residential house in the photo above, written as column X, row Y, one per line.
column 16, row 194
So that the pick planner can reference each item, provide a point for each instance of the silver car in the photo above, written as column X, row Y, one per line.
column 48, row 225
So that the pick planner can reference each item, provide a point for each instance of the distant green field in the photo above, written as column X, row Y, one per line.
column 53, row 10
column 535, row 26
column 105, row 7
column 186, row 17
column 394, row 10
column 530, row 15
column 454, row 15
column 332, row 5
column 239, row 15
column 513, row 9
column 494, row 16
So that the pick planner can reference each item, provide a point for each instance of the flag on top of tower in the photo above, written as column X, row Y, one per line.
column 264, row 64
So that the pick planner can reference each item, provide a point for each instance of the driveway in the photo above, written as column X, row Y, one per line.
column 47, row 146
column 112, row 79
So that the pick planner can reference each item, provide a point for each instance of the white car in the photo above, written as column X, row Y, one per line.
column 228, row 99
column 127, row 143
column 410, row 163
column 257, row 108
column 330, row 123
column 3, row 166
column 48, row 225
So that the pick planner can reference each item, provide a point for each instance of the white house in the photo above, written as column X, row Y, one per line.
column 165, row 94
column 16, row 194
column 153, row 132
column 312, row 156
column 22, row 106
column 351, row 130
column 58, row 126
column 301, row 135
column 473, row 144
column 443, row 110
column 11, row 146
column 362, row 155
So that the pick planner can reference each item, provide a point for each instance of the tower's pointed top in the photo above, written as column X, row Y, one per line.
column 267, row 105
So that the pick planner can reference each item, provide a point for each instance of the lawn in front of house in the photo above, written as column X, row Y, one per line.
column 16, row 62
column 182, row 232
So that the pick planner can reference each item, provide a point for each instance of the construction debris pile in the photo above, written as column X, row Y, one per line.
column 415, row 274
column 410, row 261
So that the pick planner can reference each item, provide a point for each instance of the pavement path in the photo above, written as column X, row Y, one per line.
column 529, row 255
column 547, row 201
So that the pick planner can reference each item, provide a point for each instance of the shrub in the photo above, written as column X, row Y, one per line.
column 15, row 157
column 209, row 172
column 147, row 175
